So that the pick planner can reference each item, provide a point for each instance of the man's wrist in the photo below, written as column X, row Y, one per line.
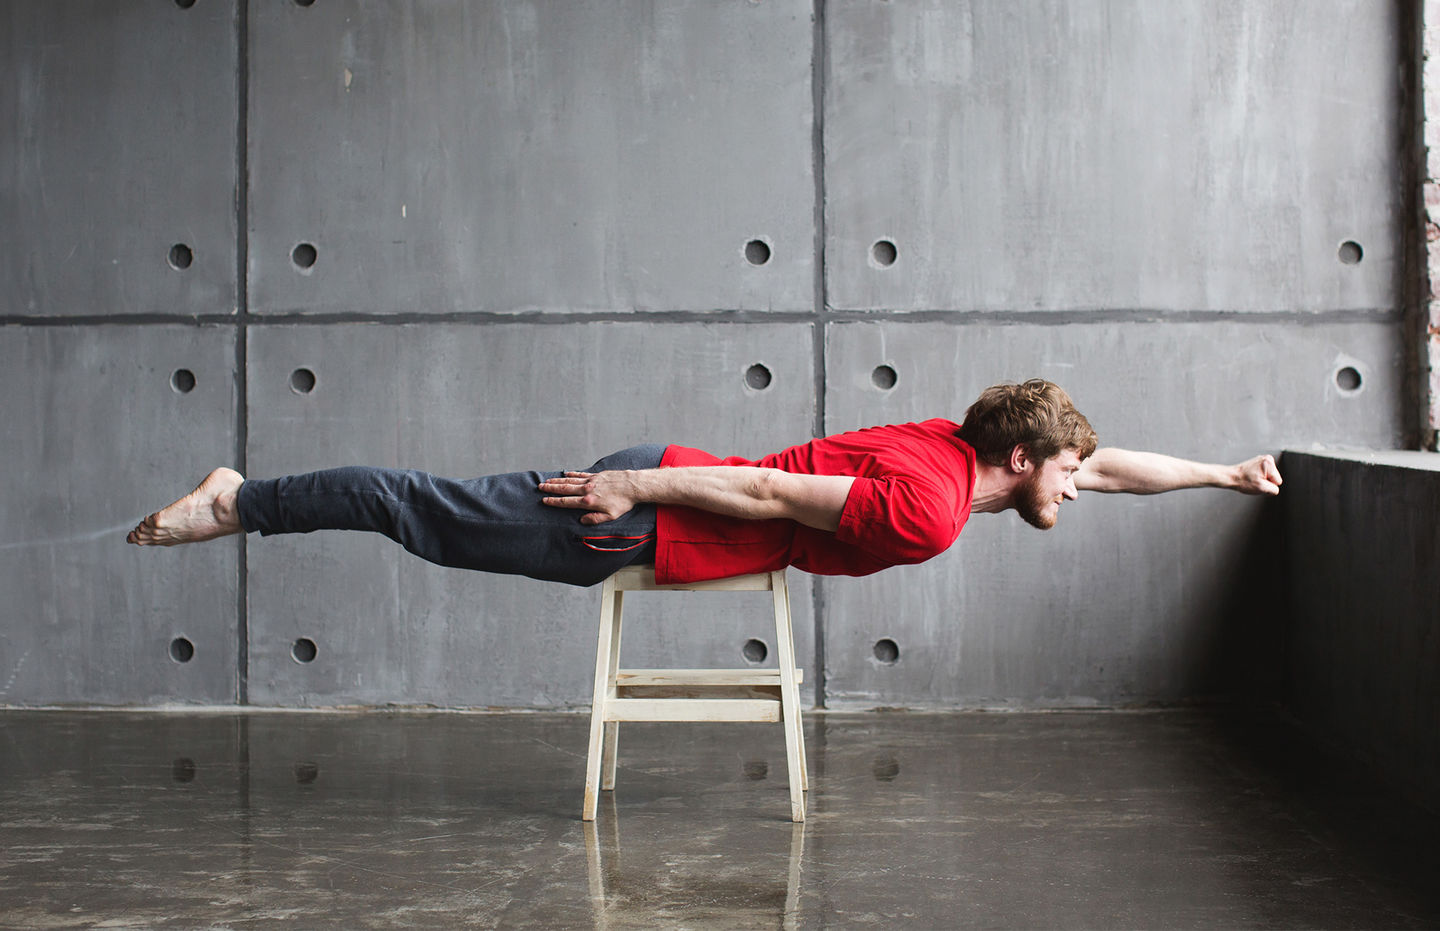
column 643, row 485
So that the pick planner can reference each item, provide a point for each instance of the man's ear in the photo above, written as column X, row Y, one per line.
column 1020, row 459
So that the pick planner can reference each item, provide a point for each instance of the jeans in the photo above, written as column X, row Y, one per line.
column 495, row 523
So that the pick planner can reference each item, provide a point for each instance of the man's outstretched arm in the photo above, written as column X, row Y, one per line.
column 733, row 491
column 1140, row 473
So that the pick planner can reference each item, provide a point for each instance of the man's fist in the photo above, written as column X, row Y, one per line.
column 1258, row 476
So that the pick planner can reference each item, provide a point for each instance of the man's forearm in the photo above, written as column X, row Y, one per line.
column 746, row 492
column 750, row 493
column 733, row 491
column 1142, row 473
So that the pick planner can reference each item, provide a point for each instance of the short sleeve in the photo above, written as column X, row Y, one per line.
column 902, row 519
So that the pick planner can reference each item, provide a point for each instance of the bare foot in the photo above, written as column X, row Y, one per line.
column 204, row 514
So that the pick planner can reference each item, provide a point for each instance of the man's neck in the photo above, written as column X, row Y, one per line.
column 994, row 487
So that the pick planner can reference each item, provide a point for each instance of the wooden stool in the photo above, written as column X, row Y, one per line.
column 692, row 694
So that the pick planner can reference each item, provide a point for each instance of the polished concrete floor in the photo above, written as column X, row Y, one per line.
column 1070, row 820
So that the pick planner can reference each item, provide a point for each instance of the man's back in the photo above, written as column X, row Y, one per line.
column 909, row 502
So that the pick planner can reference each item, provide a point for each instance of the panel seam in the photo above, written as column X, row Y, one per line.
column 821, row 315
column 820, row 322
column 241, row 320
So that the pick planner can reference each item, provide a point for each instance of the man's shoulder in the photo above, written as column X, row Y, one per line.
column 932, row 426
column 936, row 438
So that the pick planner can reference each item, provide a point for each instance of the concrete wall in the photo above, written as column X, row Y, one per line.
column 1364, row 642
column 524, row 234
column 1428, row 317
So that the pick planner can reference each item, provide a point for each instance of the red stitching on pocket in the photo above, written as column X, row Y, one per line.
column 639, row 542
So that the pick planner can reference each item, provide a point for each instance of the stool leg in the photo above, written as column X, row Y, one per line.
column 804, row 767
column 604, row 687
column 612, row 728
column 789, row 694
column 607, row 769
column 799, row 724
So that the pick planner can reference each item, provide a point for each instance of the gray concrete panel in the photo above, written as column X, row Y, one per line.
column 118, row 122
column 1364, row 634
column 94, row 437
column 1128, row 598
column 1113, row 153
column 463, row 401
column 506, row 156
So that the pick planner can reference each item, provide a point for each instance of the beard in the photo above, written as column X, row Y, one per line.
column 1033, row 504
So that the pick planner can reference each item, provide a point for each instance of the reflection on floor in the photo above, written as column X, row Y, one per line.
column 1124, row 820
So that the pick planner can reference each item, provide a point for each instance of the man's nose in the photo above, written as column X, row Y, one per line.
column 1070, row 490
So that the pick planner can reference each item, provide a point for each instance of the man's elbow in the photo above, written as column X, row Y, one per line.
column 767, row 489
column 1095, row 480
column 1100, row 472
column 796, row 497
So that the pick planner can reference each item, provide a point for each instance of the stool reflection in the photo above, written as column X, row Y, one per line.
column 680, row 873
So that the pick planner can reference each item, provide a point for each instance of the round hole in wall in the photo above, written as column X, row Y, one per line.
column 306, row 773
column 754, row 651
column 184, row 4
column 758, row 377
column 757, row 252
column 755, row 770
column 1350, row 252
column 304, row 2
column 303, row 650
column 180, row 256
column 884, row 253
column 302, row 381
column 304, row 256
column 182, row 381
column 884, row 377
column 1348, row 379
column 182, row 650
column 887, row 651
column 183, row 769
column 885, row 768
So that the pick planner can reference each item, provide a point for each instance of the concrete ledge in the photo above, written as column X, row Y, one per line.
column 1363, row 532
column 1390, row 458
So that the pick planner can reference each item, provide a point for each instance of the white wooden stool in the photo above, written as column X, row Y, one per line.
column 692, row 694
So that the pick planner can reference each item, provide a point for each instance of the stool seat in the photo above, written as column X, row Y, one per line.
column 767, row 695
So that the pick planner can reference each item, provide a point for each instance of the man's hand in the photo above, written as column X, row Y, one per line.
column 606, row 495
column 1258, row 476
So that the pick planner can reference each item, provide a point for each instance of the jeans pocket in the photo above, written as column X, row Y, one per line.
column 615, row 543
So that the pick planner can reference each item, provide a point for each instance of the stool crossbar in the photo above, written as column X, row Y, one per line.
column 692, row 694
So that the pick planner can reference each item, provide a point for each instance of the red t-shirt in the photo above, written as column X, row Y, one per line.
column 911, row 496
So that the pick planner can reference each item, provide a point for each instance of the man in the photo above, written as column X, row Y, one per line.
column 849, row 504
